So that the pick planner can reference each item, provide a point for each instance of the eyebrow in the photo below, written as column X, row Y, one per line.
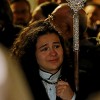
column 47, row 43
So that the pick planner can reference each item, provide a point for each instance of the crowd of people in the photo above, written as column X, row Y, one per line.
column 42, row 43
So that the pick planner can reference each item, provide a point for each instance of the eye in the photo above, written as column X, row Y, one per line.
column 44, row 49
column 57, row 46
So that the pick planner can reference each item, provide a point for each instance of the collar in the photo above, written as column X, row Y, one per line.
column 48, row 77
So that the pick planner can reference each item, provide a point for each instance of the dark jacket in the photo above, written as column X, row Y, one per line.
column 9, row 34
column 37, row 87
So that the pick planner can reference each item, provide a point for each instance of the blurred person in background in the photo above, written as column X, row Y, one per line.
column 21, row 10
column 93, row 14
column 62, row 19
column 8, row 31
column 13, row 84
column 43, row 10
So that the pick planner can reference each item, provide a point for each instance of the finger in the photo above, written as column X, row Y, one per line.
column 59, row 87
column 62, row 83
column 59, row 92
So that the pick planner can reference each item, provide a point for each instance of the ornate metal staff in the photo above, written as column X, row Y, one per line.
column 76, row 5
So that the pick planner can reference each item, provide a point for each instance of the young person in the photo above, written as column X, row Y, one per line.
column 42, row 53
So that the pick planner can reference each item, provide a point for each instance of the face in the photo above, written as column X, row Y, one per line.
column 21, row 13
column 49, row 53
column 93, row 14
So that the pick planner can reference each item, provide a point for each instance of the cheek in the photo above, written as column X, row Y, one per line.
column 39, row 57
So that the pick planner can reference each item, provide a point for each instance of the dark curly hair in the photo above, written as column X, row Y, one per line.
column 25, row 45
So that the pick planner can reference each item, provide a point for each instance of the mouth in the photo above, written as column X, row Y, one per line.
column 53, row 60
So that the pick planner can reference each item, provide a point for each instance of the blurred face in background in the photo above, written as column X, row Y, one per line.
column 21, row 13
column 93, row 14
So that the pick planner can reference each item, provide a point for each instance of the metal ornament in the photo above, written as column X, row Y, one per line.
column 76, row 5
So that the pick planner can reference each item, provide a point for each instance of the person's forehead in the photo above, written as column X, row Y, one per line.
column 20, row 5
column 48, row 38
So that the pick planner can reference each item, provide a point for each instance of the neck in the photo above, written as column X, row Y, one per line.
column 49, row 78
column 51, row 72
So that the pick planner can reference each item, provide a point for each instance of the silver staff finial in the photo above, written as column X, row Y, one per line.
column 76, row 5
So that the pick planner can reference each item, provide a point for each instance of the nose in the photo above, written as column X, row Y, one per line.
column 53, row 52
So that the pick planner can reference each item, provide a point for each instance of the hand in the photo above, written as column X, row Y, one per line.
column 64, row 91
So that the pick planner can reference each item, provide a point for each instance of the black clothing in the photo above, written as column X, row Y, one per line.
column 8, row 35
column 89, row 69
column 37, row 87
column 89, row 63
column 92, row 32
